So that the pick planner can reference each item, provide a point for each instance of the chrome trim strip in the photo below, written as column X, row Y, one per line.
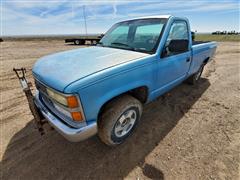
column 71, row 134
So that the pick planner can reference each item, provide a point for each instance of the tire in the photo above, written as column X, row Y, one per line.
column 93, row 42
column 195, row 77
column 119, row 119
column 77, row 42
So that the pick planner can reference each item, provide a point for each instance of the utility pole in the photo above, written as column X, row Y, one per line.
column 84, row 16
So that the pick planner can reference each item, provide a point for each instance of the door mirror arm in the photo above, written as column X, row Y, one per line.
column 164, row 52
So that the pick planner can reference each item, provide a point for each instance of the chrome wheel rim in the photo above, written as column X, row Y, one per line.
column 125, row 123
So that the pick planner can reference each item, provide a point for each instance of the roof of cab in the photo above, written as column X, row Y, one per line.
column 155, row 16
column 151, row 17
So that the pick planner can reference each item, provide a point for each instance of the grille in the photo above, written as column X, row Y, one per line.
column 43, row 94
column 41, row 88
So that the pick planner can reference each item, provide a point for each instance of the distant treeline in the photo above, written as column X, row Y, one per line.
column 225, row 33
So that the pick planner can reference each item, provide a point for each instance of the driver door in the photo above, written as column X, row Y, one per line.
column 173, row 66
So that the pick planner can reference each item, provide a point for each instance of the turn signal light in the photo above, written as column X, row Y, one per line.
column 77, row 116
column 72, row 101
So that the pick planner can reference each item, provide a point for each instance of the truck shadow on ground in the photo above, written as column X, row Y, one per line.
column 29, row 156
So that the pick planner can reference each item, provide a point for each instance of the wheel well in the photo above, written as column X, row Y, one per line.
column 206, row 61
column 140, row 93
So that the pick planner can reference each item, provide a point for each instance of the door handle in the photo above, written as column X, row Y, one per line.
column 188, row 60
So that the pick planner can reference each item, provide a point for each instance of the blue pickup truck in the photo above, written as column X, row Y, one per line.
column 101, row 90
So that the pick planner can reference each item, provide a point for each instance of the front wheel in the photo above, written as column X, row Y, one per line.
column 77, row 42
column 119, row 119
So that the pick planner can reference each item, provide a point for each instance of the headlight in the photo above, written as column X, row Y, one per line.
column 57, row 97
column 69, row 101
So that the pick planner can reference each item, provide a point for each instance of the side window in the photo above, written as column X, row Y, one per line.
column 178, row 39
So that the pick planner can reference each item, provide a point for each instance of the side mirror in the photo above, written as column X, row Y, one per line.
column 178, row 46
column 193, row 36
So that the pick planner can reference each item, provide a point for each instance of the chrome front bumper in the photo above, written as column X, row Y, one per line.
column 71, row 134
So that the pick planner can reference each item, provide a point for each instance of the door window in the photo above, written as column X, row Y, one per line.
column 178, row 39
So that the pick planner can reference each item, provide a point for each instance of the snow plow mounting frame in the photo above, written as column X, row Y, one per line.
column 26, row 87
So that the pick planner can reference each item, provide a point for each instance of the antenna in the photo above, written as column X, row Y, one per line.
column 84, row 16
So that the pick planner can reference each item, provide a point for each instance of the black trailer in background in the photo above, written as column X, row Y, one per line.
column 81, row 40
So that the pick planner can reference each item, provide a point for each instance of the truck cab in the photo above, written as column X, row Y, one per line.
column 101, row 90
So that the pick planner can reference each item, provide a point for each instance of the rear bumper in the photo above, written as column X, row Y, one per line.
column 71, row 134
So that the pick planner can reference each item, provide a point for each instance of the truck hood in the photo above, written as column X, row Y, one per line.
column 60, row 69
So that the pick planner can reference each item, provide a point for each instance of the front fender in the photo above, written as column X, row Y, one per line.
column 95, row 96
column 120, row 90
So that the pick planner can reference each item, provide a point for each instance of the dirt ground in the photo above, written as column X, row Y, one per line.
column 193, row 132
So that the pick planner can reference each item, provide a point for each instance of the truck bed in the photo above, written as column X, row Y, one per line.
column 202, row 51
column 199, row 42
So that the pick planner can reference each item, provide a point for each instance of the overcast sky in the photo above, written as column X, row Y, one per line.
column 30, row 17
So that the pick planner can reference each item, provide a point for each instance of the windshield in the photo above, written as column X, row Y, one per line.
column 140, row 35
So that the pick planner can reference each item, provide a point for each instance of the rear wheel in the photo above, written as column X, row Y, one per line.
column 94, row 42
column 119, row 119
column 195, row 77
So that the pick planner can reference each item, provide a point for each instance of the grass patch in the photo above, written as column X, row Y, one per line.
column 210, row 37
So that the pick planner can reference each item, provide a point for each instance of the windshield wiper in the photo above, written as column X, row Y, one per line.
column 119, row 43
column 140, row 50
column 122, row 44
